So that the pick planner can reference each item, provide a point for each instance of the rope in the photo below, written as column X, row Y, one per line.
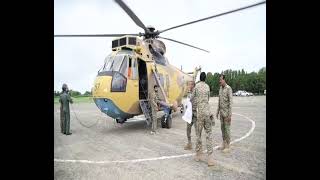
column 80, row 121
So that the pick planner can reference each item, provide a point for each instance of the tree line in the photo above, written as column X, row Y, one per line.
column 74, row 93
column 254, row 82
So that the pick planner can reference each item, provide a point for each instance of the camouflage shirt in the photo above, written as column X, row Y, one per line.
column 154, row 97
column 200, row 95
column 194, row 104
column 225, row 101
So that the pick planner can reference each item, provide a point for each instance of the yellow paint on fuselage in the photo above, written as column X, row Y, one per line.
column 126, row 101
column 177, row 85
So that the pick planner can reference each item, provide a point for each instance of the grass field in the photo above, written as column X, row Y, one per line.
column 77, row 99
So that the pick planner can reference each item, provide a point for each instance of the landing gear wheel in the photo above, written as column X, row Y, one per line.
column 121, row 121
column 169, row 122
column 181, row 110
column 163, row 122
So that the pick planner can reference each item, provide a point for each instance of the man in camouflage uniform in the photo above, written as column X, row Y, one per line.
column 225, row 111
column 156, row 103
column 188, row 146
column 64, row 100
column 154, row 99
column 200, row 95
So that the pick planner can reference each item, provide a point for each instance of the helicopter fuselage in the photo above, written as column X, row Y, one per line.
column 126, row 77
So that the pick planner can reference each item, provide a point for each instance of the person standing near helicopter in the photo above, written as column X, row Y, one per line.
column 200, row 95
column 156, row 104
column 64, row 100
column 191, row 86
column 225, row 111
column 154, row 98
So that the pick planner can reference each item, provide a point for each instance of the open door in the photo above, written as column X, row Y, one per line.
column 143, row 79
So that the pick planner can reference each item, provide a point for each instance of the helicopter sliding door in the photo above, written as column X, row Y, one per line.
column 143, row 79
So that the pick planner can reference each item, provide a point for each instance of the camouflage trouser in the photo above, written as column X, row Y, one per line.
column 206, row 123
column 154, row 120
column 159, row 125
column 225, row 129
column 189, row 126
column 66, row 122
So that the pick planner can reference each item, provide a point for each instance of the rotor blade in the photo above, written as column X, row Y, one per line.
column 94, row 35
column 260, row 3
column 131, row 14
column 184, row 44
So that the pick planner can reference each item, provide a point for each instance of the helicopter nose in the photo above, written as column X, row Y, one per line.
column 101, row 86
column 104, row 105
column 108, row 107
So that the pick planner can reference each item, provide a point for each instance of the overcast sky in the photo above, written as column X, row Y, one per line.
column 235, row 41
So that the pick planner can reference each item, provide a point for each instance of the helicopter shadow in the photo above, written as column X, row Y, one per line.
column 127, row 127
column 134, row 126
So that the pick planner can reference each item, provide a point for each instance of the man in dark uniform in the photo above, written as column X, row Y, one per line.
column 65, row 110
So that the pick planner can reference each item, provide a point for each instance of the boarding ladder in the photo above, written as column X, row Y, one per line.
column 145, row 104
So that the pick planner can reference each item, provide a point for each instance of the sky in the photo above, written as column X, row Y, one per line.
column 236, row 41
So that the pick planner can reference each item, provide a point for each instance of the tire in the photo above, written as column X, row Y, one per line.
column 121, row 121
column 163, row 123
column 181, row 110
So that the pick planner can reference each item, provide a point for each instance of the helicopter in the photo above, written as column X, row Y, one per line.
column 136, row 63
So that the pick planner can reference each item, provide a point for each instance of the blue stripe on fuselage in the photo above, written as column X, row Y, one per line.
column 108, row 107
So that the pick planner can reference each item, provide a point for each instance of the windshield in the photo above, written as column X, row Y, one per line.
column 113, row 63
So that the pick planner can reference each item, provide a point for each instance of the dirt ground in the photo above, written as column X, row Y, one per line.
column 112, row 151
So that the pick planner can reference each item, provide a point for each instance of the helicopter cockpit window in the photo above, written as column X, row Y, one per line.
column 158, row 57
column 119, row 79
column 124, row 67
column 117, row 61
column 107, row 63
column 134, row 68
column 113, row 63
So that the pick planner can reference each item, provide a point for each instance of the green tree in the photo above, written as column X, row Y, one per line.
column 56, row 93
column 87, row 93
column 209, row 80
column 254, row 82
column 74, row 93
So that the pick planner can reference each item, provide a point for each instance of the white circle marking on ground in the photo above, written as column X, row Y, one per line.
column 253, row 125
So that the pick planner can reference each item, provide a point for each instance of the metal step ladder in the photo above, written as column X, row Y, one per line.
column 155, row 73
column 145, row 104
column 146, row 109
column 164, row 119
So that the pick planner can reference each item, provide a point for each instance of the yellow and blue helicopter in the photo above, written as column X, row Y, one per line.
column 138, row 62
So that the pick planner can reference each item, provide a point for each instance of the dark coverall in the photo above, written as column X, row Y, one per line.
column 65, row 112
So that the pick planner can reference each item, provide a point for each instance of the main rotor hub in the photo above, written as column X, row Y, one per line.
column 151, row 28
column 151, row 33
